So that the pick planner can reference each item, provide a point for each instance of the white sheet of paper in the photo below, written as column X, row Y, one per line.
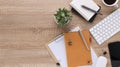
column 59, row 51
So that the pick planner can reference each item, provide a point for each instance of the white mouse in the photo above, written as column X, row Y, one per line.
column 101, row 62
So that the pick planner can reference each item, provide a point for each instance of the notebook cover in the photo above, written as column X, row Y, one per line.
column 77, row 53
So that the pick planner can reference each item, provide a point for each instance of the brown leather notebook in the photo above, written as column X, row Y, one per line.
column 76, row 51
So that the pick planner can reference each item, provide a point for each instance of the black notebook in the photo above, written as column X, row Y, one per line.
column 114, row 50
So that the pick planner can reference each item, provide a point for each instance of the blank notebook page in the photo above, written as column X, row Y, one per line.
column 76, row 4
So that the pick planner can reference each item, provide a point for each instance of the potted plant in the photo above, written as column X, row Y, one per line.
column 62, row 17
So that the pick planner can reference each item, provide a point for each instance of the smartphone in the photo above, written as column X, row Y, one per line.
column 114, row 50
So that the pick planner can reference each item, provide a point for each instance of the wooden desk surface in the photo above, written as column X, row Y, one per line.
column 27, row 25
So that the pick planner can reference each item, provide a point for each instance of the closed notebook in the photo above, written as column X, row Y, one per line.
column 76, row 51
column 88, row 15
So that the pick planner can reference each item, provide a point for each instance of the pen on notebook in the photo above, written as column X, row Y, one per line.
column 84, row 40
column 85, row 7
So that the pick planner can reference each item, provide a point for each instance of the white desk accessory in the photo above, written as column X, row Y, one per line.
column 57, row 48
column 108, row 27
column 101, row 62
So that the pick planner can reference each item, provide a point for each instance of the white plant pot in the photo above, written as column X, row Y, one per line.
column 57, row 23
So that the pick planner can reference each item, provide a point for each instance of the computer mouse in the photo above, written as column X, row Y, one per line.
column 101, row 62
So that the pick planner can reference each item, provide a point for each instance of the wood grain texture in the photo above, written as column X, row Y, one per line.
column 27, row 25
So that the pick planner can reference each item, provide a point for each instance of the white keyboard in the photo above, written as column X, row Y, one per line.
column 106, row 28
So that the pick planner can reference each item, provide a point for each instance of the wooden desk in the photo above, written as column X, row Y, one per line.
column 27, row 25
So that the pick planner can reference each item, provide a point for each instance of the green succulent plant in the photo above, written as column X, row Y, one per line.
column 62, row 16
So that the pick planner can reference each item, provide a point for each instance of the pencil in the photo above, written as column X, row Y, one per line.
column 84, row 40
column 87, row 8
